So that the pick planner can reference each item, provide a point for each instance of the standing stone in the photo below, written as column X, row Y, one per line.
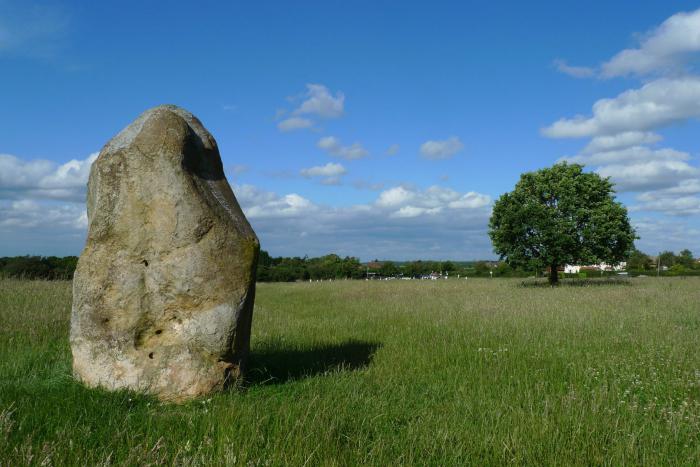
column 163, row 292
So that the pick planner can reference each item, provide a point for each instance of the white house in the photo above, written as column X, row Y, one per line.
column 576, row 268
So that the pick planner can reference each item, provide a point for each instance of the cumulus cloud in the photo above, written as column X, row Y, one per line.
column 662, row 49
column 333, row 146
column 623, row 128
column 265, row 205
column 330, row 173
column 678, row 200
column 294, row 123
column 42, row 202
column 319, row 101
column 395, row 197
column 29, row 214
column 329, row 170
column 43, row 179
column 316, row 102
column 632, row 154
column 685, row 187
column 664, row 234
column 683, row 206
column 434, row 200
column 574, row 71
column 402, row 222
column 441, row 149
column 41, row 227
column 620, row 141
column 650, row 175
column 654, row 105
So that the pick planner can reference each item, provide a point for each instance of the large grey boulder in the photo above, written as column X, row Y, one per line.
column 163, row 292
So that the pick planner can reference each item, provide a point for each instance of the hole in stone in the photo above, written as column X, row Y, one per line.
column 159, row 331
column 105, row 320
column 150, row 355
column 145, row 263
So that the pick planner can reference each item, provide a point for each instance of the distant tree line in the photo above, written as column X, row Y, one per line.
column 284, row 269
column 38, row 267
column 331, row 266
column 666, row 262
column 291, row 269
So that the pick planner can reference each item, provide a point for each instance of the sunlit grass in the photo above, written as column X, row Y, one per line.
column 442, row 373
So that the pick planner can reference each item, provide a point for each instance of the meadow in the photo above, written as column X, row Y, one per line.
column 453, row 372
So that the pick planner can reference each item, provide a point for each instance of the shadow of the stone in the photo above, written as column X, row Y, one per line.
column 278, row 366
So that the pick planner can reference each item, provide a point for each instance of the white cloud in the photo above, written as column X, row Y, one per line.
column 632, row 154
column 664, row 234
column 402, row 222
column 649, row 175
column 435, row 197
column 574, row 71
column 330, row 173
column 620, row 141
column 333, row 146
column 471, row 200
column 42, row 206
column 654, row 105
column 316, row 102
column 677, row 200
column 393, row 150
column 685, row 187
column 48, row 217
column 329, row 170
column 294, row 123
column 319, row 101
column 261, row 204
column 683, row 206
column 441, row 149
column 414, row 211
column 395, row 197
column 661, row 49
column 42, row 179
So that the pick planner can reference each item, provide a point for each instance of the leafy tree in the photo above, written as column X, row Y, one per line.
column 677, row 269
column 560, row 215
column 639, row 261
column 482, row 268
column 667, row 258
column 388, row 269
column 417, row 268
column 685, row 258
column 502, row 270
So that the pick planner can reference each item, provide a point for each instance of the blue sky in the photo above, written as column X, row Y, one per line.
column 372, row 129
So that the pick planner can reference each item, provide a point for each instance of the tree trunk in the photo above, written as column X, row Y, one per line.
column 553, row 275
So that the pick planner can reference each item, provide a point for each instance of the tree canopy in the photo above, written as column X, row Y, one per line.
column 560, row 215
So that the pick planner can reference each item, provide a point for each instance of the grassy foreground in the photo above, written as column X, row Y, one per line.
column 443, row 373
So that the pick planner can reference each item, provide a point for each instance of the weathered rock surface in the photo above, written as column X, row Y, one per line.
column 163, row 292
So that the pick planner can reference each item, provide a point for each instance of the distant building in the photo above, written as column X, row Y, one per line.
column 576, row 268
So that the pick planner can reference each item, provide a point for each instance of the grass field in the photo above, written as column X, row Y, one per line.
column 454, row 372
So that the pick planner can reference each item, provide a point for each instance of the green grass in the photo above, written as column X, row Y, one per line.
column 454, row 372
